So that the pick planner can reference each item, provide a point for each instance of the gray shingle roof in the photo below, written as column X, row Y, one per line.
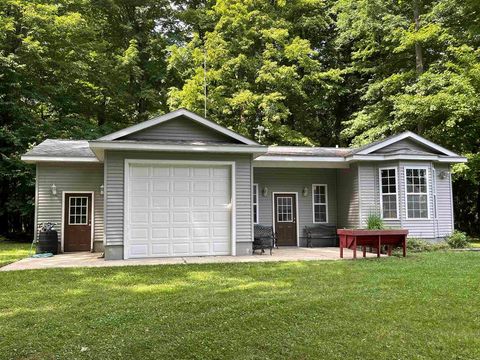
column 62, row 148
column 307, row 151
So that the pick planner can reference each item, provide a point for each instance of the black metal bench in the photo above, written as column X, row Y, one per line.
column 263, row 238
column 321, row 232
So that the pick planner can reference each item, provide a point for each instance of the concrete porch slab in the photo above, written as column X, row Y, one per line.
column 88, row 259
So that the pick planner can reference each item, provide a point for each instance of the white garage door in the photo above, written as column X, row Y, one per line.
column 178, row 210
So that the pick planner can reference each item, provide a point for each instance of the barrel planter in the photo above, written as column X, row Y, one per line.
column 351, row 238
column 47, row 242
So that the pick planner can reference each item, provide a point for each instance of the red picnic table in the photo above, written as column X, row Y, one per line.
column 351, row 238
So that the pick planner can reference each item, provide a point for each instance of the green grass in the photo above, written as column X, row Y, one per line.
column 11, row 251
column 423, row 307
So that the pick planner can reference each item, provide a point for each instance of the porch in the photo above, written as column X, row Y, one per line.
column 88, row 259
column 294, row 199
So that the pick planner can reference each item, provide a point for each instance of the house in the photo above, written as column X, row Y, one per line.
column 180, row 185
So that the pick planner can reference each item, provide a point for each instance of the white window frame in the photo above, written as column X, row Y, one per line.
column 427, row 176
column 396, row 191
column 314, row 203
column 277, row 214
column 255, row 204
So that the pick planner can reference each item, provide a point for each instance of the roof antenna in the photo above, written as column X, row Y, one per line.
column 205, row 80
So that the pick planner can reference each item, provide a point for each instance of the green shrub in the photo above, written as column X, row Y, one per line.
column 458, row 240
column 420, row 245
column 374, row 222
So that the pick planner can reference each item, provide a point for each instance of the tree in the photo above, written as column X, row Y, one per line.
column 267, row 64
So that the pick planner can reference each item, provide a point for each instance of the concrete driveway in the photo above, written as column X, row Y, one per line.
column 88, row 259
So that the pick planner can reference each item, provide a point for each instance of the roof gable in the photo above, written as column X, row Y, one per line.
column 405, row 143
column 180, row 129
column 138, row 131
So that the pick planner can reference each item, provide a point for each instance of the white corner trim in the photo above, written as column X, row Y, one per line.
column 274, row 215
column 405, row 135
column 126, row 214
column 92, row 230
column 175, row 114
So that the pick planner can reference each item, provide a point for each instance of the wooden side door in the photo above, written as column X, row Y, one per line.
column 77, row 230
column 285, row 210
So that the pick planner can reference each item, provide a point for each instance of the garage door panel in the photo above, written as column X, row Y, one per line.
column 161, row 186
column 181, row 201
column 221, row 173
column 201, row 248
column 139, row 234
column 201, row 202
column 181, row 248
column 161, row 233
column 201, row 186
column 201, row 232
column 161, row 202
column 201, row 172
column 178, row 210
column 160, row 250
column 139, row 217
column 160, row 217
column 220, row 216
column 140, row 186
column 160, row 171
column 138, row 250
column 200, row 217
column 137, row 171
column 139, row 202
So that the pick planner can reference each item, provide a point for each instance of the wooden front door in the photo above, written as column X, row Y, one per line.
column 77, row 233
column 286, row 219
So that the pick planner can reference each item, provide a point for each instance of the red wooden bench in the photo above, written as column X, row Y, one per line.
column 352, row 238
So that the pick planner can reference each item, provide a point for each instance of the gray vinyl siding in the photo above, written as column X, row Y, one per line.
column 434, row 227
column 68, row 177
column 406, row 144
column 114, row 170
column 348, row 197
column 294, row 180
column 180, row 129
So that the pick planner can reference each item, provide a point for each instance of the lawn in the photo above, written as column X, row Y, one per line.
column 423, row 307
column 11, row 251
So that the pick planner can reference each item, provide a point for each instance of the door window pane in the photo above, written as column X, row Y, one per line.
column 78, row 210
column 284, row 209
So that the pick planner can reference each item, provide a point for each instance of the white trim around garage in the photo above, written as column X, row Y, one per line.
column 62, row 242
column 233, row 205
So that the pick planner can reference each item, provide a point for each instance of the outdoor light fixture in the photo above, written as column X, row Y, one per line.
column 443, row 174
column 102, row 189
column 54, row 189
column 305, row 191
column 265, row 191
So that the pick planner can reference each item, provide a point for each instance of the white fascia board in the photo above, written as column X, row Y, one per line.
column 98, row 146
column 35, row 159
column 175, row 114
column 404, row 135
column 446, row 159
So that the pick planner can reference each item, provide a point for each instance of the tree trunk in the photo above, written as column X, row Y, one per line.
column 418, row 51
